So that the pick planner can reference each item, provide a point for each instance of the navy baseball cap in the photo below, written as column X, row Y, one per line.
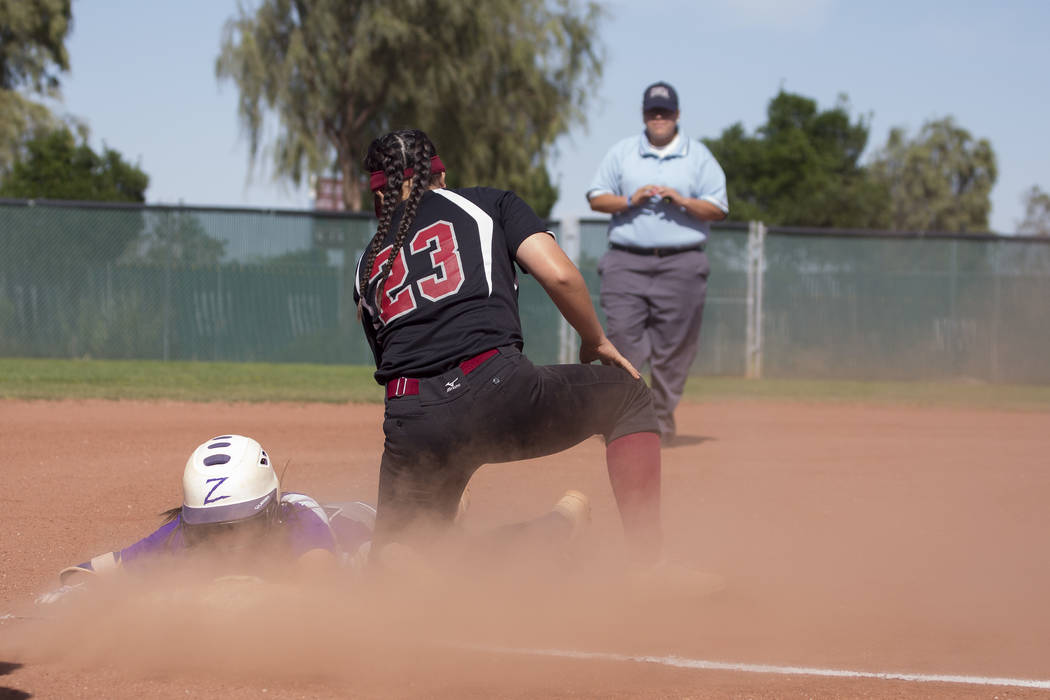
column 660, row 96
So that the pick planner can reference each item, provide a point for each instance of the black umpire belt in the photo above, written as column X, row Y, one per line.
column 657, row 252
column 406, row 386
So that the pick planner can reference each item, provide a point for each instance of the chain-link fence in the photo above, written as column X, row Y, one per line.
column 182, row 283
column 884, row 306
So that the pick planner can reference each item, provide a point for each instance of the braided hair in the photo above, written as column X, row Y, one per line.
column 393, row 154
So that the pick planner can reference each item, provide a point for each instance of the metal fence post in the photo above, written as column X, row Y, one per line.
column 756, row 236
column 759, row 315
column 570, row 243
column 169, row 262
column 749, row 328
column 993, row 372
column 220, row 318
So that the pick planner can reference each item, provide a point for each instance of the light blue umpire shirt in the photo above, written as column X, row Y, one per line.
column 685, row 164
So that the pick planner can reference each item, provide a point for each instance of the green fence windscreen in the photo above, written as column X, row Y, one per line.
column 183, row 283
column 904, row 308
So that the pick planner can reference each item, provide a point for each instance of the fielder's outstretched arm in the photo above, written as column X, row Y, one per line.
column 544, row 259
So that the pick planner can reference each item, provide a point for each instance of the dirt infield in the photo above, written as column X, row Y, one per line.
column 854, row 538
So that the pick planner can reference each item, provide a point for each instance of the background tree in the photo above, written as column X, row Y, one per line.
column 800, row 168
column 494, row 87
column 939, row 181
column 32, row 43
column 1036, row 220
column 55, row 166
column 19, row 118
column 32, row 54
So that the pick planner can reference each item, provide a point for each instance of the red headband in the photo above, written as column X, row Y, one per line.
column 377, row 180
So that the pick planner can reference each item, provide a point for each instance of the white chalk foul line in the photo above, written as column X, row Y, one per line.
column 7, row 617
column 700, row 664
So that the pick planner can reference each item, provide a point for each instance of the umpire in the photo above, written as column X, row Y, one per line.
column 662, row 189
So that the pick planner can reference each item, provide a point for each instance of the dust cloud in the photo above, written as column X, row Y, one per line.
column 416, row 625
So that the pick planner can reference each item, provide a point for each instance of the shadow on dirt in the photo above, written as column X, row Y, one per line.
column 687, row 440
column 7, row 667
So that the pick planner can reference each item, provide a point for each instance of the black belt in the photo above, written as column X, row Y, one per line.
column 658, row 252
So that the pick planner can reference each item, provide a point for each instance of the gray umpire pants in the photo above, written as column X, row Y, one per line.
column 653, row 308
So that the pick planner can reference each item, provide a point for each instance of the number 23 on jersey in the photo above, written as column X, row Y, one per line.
column 446, row 279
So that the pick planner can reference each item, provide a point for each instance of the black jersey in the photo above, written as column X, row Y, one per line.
column 452, row 292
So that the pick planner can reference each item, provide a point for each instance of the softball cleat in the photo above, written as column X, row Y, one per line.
column 575, row 507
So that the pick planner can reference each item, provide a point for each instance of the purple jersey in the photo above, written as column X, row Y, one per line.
column 303, row 523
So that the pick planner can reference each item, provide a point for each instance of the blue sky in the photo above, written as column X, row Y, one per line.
column 143, row 80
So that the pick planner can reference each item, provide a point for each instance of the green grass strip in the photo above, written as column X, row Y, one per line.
column 963, row 394
column 186, row 381
column 252, row 381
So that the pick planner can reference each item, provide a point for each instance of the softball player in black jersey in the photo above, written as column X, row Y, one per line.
column 437, row 295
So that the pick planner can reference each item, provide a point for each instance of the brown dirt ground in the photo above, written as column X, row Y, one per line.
column 893, row 539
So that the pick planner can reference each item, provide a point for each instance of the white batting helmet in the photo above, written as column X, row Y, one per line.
column 228, row 479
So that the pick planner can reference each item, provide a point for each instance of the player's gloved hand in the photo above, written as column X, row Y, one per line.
column 358, row 561
column 606, row 353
